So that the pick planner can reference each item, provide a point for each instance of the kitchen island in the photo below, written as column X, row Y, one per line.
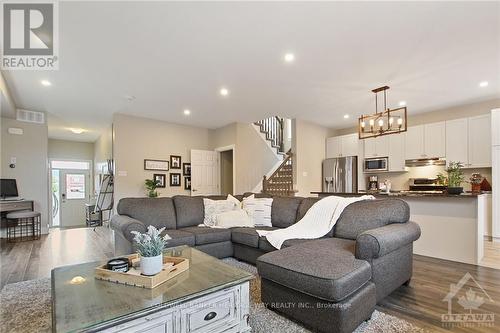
column 453, row 226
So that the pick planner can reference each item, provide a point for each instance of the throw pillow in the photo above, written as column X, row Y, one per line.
column 214, row 207
column 259, row 209
column 234, row 218
column 237, row 203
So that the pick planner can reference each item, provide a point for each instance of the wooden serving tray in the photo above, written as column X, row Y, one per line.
column 172, row 266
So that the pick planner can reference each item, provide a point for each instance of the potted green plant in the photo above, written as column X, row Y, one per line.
column 151, row 186
column 150, row 247
column 454, row 178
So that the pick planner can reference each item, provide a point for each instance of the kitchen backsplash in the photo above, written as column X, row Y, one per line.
column 400, row 181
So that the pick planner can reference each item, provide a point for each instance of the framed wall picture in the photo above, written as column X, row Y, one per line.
column 161, row 178
column 175, row 179
column 187, row 183
column 175, row 162
column 186, row 169
column 156, row 165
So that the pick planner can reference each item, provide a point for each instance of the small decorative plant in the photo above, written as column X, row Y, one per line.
column 454, row 179
column 151, row 186
column 150, row 246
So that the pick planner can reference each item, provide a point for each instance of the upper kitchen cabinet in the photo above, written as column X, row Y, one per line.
column 435, row 139
column 425, row 141
column 396, row 146
column 414, row 143
column 333, row 147
column 457, row 141
column 341, row 146
column 376, row 147
column 479, row 141
column 349, row 144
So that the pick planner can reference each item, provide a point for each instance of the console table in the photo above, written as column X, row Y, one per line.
column 7, row 206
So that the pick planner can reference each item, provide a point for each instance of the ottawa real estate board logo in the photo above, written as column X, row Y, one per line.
column 30, row 35
column 465, row 299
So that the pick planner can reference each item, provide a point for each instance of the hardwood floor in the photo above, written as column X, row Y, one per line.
column 35, row 259
column 420, row 303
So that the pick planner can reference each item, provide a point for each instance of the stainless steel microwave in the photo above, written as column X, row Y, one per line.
column 376, row 164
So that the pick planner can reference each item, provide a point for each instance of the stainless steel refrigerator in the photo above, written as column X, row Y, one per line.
column 340, row 175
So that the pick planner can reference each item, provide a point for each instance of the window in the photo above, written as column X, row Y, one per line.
column 76, row 165
column 75, row 186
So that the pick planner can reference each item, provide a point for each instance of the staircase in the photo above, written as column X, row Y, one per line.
column 281, row 180
column 280, row 183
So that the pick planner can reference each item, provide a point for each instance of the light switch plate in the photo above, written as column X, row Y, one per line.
column 122, row 173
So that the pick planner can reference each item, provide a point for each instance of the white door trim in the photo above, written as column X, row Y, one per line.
column 226, row 148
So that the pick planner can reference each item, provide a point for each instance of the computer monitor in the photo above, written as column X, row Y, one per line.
column 8, row 188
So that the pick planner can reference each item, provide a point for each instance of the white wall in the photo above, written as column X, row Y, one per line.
column 254, row 159
column 70, row 150
column 309, row 148
column 103, row 151
column 31, row 171
column 136, row 139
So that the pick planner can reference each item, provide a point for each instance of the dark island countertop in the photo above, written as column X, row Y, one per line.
column 397, row 194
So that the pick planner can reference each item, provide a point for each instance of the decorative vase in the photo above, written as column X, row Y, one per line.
column 455, row 190
column 151, row 265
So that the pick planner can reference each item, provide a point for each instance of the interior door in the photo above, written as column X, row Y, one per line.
column 75, row 193
column 204, row 172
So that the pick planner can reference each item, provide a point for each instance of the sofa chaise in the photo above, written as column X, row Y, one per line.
column 340, row 277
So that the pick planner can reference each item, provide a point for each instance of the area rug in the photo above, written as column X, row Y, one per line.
column 26, row 307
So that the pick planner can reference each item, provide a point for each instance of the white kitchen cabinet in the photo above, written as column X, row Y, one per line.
column 349, row 145
column 377, row 147
column 479, row 141
column 341, row 146
column 396, row 152
column 370, row 148
column 333, row 147
column 435, row 139
column 414, row 143
column 457, row 141
column 425, row 141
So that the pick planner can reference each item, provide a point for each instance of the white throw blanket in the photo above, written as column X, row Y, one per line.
column 317, row 222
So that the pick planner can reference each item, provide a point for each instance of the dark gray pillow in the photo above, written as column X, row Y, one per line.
column 284, row 211
column 190, row 211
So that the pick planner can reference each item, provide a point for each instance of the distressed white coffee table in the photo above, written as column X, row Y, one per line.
column 209, row 297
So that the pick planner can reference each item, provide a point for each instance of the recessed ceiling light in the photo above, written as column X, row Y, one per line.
column 77, row 130
column 187, row 112
column 483, row 84
column 45, row 83
column 289, row 57
column 224, row 92
column 402, row 103
column 346, row 116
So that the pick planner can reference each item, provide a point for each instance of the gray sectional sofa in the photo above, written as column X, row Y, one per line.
column 334, row 281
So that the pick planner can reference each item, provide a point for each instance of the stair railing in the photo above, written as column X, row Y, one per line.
column 273, row 128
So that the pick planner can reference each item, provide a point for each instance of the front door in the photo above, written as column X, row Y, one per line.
column 204, row 172
column 74, row 191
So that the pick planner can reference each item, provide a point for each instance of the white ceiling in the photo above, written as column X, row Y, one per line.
column 176, row 55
